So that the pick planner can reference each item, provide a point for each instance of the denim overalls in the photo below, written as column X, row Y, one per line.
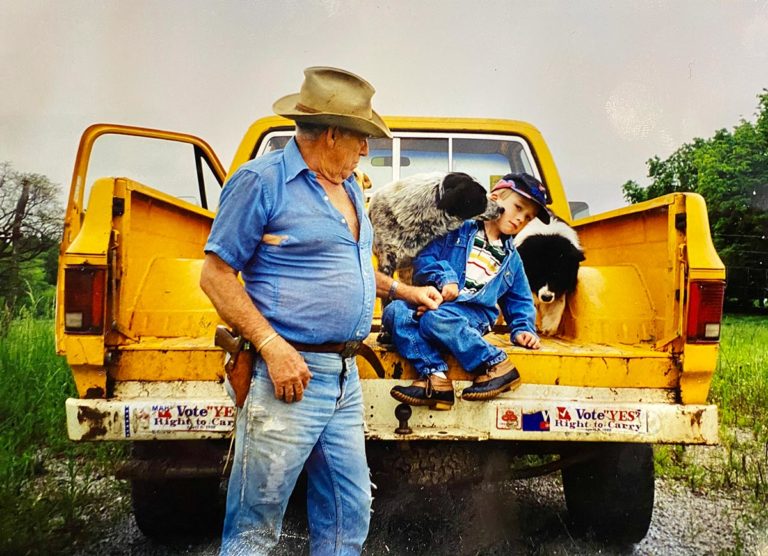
column 458, row 326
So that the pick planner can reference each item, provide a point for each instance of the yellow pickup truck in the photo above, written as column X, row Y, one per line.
column 630, row 367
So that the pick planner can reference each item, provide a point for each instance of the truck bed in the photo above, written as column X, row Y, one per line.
column 559, row 362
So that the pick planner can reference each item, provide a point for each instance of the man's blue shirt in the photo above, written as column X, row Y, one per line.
column 298, row 258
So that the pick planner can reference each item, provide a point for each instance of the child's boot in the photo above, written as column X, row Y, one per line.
column 499, row 378
column 432, row 390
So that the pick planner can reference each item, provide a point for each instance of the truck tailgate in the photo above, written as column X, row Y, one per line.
column 585, row 392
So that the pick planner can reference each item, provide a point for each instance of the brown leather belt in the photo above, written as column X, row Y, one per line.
column 345, row 349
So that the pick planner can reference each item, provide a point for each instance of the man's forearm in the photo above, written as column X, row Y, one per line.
column 416, row 295
column 219, row 282
column 383, row 284
column 385, row 290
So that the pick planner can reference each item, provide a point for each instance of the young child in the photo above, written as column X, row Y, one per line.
column 476, row 269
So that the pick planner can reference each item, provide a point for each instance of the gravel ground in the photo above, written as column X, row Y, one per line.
column 515, row 517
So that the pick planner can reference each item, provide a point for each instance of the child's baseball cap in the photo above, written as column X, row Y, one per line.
column 530, row 188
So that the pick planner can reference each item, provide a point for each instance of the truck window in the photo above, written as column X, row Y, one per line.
column 276, row 141
column 172, row 167
column 579, row 209
column 486, row 158
column 378, row 163
column 423, row 154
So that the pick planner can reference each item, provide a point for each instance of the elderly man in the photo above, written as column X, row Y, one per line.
column 293, row 224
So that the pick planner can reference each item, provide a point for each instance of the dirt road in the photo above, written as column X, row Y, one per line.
column 515, row 517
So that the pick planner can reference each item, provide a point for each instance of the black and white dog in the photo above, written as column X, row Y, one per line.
column 551, row 255
column 409, row 213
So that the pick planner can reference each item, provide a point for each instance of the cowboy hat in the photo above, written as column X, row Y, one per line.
column 334, row 97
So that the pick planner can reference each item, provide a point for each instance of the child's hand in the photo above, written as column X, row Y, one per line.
column 450, row 291
column 526, row 339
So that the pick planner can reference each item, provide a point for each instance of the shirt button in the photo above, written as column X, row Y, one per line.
column 325, row 197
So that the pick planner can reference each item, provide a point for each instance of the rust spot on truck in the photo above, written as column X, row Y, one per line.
column 94, row 393
column 696, row 418
column 94, row 420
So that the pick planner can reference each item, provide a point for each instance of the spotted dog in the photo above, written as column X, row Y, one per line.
column 409, row 213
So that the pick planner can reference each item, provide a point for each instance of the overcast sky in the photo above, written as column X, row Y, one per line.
column 609, row 84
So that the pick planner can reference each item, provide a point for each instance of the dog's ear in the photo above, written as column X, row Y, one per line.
column 578, row 254
column 462, row 197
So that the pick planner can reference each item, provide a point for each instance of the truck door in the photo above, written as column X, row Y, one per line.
column 140, row 198
column 177, row 164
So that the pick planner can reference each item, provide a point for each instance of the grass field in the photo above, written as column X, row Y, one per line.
column 740, row 386
column 740, row 390
column 49, row 493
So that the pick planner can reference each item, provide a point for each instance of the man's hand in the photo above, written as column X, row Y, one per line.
column 287, row 370
column 450, row 291
column 526, row 339
column 425, row 298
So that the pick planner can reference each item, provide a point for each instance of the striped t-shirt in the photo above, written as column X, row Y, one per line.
column 484, row 262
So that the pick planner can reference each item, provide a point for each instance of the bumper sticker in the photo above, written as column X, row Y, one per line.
column 127, row 417
column 158, row 417
column 574, row 417
column 507, row 418
column 600, row 419
column 538, row 422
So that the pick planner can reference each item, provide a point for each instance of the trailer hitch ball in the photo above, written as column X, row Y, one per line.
column 403, row 412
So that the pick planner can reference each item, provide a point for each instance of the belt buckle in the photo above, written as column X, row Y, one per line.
column 350, row 348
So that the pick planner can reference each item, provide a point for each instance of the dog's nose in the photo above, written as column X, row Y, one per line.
column 501, row 210
column 547, row 297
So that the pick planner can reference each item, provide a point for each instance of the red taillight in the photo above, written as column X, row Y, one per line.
column 705, row 311
column 84, row 289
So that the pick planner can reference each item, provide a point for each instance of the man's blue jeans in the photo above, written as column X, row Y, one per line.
column 454, row 327
column 275, row 440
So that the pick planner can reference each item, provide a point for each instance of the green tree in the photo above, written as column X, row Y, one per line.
column 730, row 170
column 30, row 226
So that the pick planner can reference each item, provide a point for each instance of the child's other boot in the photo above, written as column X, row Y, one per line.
column 432, row 390
column 499, row 378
